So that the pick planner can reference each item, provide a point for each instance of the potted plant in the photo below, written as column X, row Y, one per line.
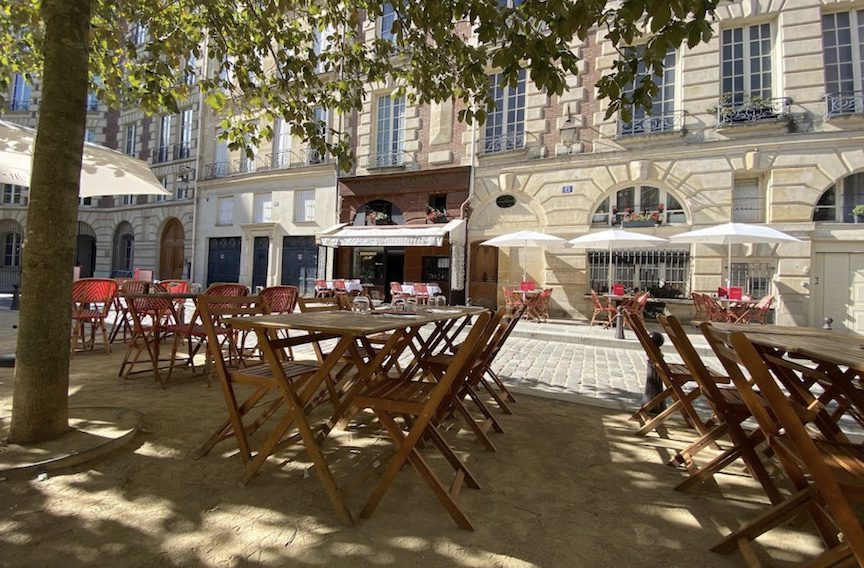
column 613, row 219
column 435, row 215
column 858, row 213
column 377, row 218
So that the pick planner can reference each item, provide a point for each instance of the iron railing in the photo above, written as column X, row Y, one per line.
column 653, row 124
column 751, row 110
column 504, row 142
column 9, row 276
column 386, row 160
column 844, row 104
column 294, row 159
column 179, row 151
column 666, row 273
column 217, row 170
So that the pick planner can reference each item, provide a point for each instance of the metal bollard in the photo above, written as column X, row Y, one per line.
column 827, row 325
column 653, row 384
column 619, row 323
column 15, row 297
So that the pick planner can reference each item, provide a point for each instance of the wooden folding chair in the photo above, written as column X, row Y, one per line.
column 678, row 383
column 828, row 475
column 419, row 401
column 242, row 422
column 123, row 320
column 731, row 410
column 153, row 320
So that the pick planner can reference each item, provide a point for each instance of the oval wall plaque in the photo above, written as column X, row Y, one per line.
column 505, row 201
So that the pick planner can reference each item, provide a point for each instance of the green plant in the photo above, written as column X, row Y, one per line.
column 858, row 210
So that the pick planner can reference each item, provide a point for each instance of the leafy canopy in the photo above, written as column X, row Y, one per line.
column 262, row 62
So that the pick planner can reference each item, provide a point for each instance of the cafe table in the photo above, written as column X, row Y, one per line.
column 351, row 331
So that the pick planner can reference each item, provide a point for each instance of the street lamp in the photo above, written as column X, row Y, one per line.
column 569, row 131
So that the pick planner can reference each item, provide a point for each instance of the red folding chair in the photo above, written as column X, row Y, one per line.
column 92, row 299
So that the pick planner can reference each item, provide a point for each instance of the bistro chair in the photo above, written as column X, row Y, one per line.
column 828, row 475
column 511, row 298
column 396, row 291
column 537, row 308
column 321, row 289
column 421, row 292
column 603, row 310
column 757, row 313
column 280, row 299
column 731, row 406
column 636, row 306
column 418, row 401
column 123, row 319
column 678, row 387
column 339, row 287
column 92, row 299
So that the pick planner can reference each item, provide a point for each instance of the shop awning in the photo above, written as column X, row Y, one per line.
column 393, row 235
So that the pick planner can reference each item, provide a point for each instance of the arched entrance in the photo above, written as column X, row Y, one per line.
column 11, row 237
column 124, row 250
column 171, row 250
column 85, row 249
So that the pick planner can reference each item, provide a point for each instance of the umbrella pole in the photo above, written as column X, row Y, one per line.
column 729, row 266
column 522, row 260
column 609, row 283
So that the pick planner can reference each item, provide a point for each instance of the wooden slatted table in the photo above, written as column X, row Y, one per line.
column 351, row 330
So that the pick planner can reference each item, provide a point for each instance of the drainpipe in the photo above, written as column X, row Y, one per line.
column 198, row 161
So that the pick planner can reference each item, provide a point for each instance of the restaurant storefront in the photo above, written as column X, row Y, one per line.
column 402, row 227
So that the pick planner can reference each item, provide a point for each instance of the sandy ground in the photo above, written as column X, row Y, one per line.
column 569, row 486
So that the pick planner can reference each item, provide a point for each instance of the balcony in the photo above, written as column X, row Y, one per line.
column 672, row 122
column 844, row 105
column 217, row 170
column 386, row 160
column 179, row 151
column 752, row 110
column 294, row 159
column 92, row 104
column 504, row 143
column 19, row 105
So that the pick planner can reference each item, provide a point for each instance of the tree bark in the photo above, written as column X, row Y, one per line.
column 40, row 401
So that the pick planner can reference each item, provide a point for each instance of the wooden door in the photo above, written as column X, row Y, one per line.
column 223, row 260
column 300, row 263
column 172, row 250
column 839, row 291
column 260, row 261
column 483, row 287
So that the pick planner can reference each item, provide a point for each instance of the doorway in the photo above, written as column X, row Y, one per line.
column 223, row 260
column 394, row 268
column 260, row 261
column 300, row 263
column 484, row 276
column 839, row 291
column 85, row 250
column 172, row 250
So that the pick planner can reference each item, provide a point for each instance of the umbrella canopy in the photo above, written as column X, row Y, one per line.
column 523, row 239
column 614, row 239
column 734, row 233
column 103, row 171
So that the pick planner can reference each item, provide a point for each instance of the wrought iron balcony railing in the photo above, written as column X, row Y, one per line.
column 217, row 170
column 294, row 159
column 504, row 142
column 386, row 160
column 18, row 105
column 653, row 124
column 179, row 151
column 161, row 154
column 844, row 104
column 751, row 110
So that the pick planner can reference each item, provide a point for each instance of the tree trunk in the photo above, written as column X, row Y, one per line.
column 40, row 403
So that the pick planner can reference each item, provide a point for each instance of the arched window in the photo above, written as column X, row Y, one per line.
column 379, row 212
column 838, row 201
column 124, row 249
column 639, row 204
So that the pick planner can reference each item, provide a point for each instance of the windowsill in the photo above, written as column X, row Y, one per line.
column 224, row 225
column 386, row 167
column 642, row 137
column 504, row 153
column 779, row 124
column 305, row 221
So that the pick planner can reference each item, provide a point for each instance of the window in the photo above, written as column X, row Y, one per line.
column 314, row 156
column 191, row 70
column 247, row 162
column 435, row 269
column 390, row 132
column 89, row 135
column 837, row 202
column 162, row 197
column 746, row 64
column 321, row 45
column 304, row 205
column 282, row 144
column 182, row 151
column 11, row 249
column 509, row 3
column 20, row 99
column 639, row 205
column 505, row 126
column 139, row 33
column 754, row 278
column 14, row 194
column 436, row 209
column 748, row 202
column 131, row 133
column 263, row 207
column 664, row 273
column 385, row 23
column 842, row 57
column 225, row 211
column 662, row 117
column 85, row 201
column 92, row 102
column 161, row 154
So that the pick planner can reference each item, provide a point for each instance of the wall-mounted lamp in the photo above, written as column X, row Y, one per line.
column 569, row 130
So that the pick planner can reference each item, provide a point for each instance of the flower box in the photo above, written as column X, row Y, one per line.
column 645, row 223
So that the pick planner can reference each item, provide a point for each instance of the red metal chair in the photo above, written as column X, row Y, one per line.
column 512, row 299
column 280, row 299
column 339, row 286
column 88, row 294
column 756, row 313
column 122, row 318
column 537, row 307
column 154, row 319
column 396, row 292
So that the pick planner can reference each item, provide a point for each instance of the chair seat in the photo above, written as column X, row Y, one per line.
column 396, row 395
column 87, row 315
column 682, row 370
column 379, row 338
column 263, row 372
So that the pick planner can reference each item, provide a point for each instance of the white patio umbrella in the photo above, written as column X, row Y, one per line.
column 523, row 239
column 103, row 171
column 734, row 233
column 616, row 239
